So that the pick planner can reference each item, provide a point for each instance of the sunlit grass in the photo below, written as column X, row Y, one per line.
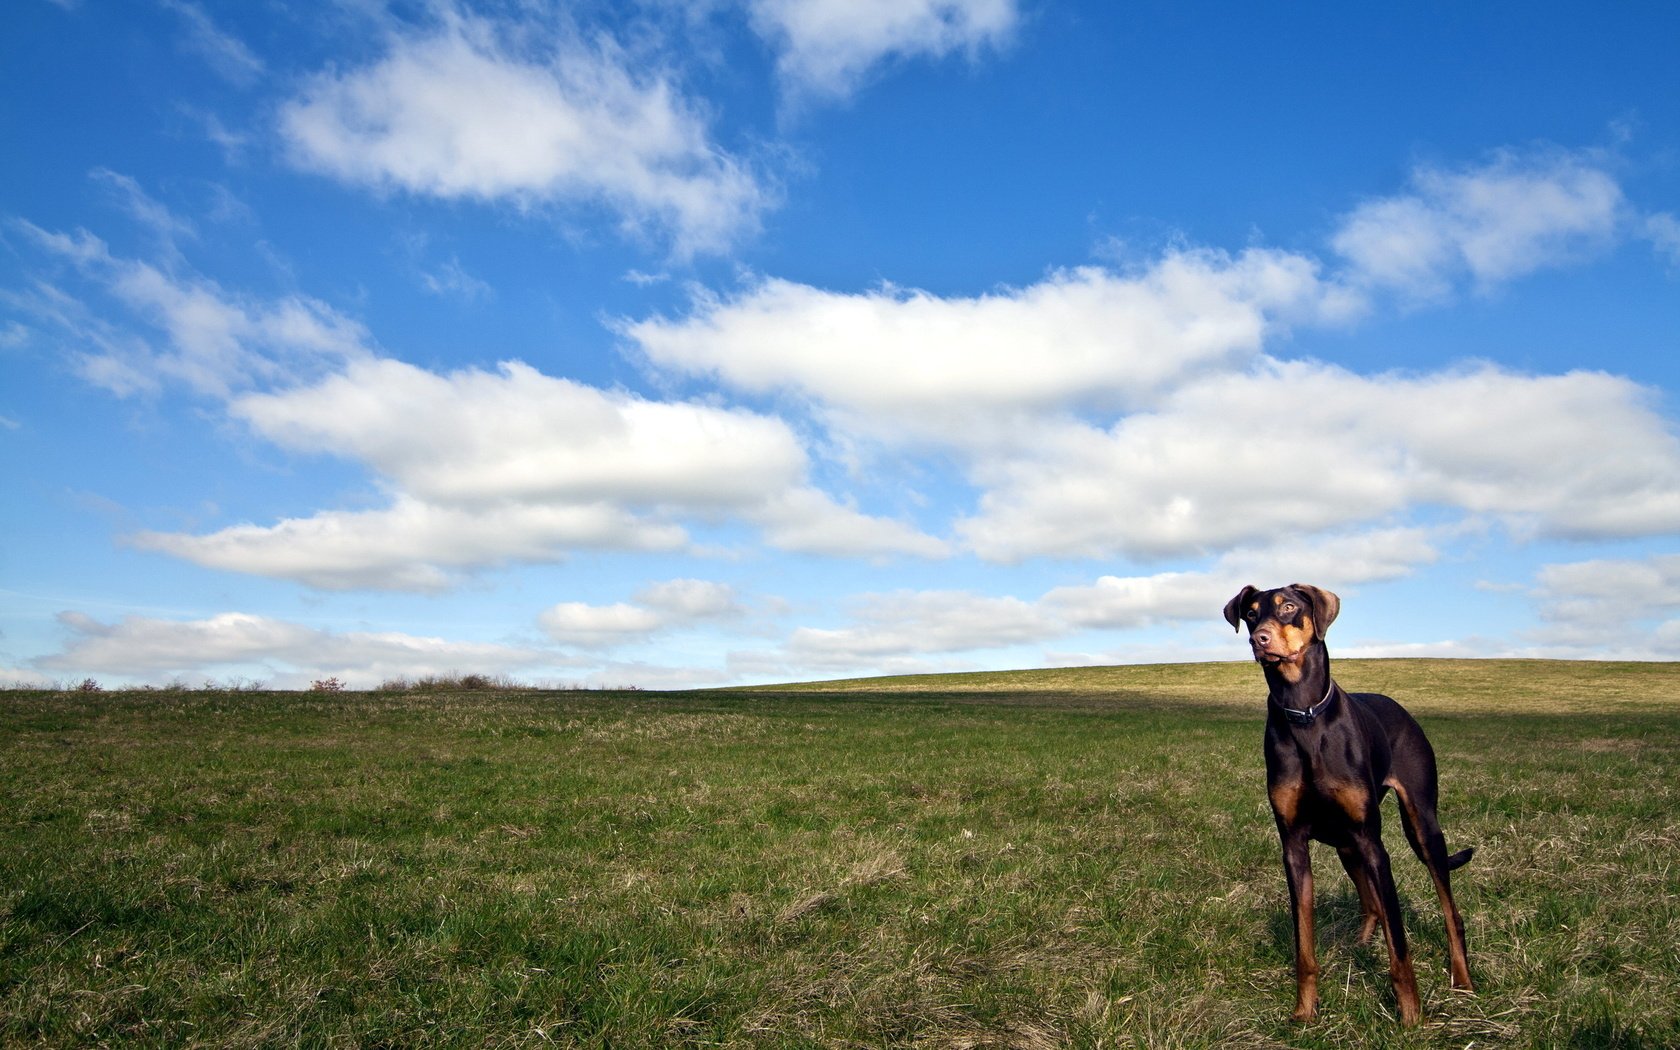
column 1079, row 858
column 1478, row 686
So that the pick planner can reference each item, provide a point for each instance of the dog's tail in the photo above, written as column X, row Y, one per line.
column 1460, row 859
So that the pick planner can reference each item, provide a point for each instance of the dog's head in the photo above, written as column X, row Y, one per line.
column 1283, row 622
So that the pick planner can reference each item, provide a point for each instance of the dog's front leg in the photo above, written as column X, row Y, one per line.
column 1297, row 869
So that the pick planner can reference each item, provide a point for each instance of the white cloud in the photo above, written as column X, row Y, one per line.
column 903, row 632
column 1609, row 608
column 1097, row 413
column 922, row 631
column 1335, row 560
column 1298, row 448
column 905, row 623
column 213, row 342
column 896, row 632
column 413, row 545
column 81, row 248
column 1139, row 414
column 642, row 675
column 455, row 113
column 21, row 678
column 658, row 607
column 293, row 654
column 145, row 209
column 594, row 626
column 487, row 468
column 481, row 468
column 226, row 54
column 1514, row 215
column 827, row 46
column 218, row 343
column 915, row 361
column 1119, row 603
column 1663, row 231
column 233, row 143
column 517, row 433
column 450, row 279
column 688, row 601
column 810, row 521
column 1610, row 592
column 1467, row 649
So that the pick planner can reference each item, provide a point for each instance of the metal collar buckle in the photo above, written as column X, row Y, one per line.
column 1310, row 715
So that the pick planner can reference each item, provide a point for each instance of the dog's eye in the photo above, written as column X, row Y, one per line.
column 1288, row 607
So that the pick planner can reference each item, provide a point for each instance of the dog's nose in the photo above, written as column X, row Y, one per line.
column 1262, row 638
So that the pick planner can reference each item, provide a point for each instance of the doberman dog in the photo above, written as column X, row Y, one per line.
column 1331, row 755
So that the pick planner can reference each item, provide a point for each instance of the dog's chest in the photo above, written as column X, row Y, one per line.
column 1316, row 782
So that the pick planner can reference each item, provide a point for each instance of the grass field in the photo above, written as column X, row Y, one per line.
column 1058, row 858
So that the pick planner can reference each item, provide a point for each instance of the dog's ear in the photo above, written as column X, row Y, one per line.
column 1233, row 608
column 1325, row 606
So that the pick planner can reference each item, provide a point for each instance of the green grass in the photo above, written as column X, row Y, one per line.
column 1056, row 858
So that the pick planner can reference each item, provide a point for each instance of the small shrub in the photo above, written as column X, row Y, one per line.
column 449, row 683
column 326, row 685
column 90, row 685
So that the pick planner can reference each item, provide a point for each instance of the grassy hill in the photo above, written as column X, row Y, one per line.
column 1038, row 859
column 1481, row 686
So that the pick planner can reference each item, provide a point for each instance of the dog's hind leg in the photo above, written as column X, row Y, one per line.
column 1423, row 832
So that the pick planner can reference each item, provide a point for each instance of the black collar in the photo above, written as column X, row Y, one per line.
column 1311, row 714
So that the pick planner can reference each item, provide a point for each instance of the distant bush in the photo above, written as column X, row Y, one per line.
column 326, row 685
column 451, row 683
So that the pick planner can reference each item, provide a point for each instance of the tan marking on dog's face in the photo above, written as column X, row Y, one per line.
column 1298, row 635
column 1280, row 630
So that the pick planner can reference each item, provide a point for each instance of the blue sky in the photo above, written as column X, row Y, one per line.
column 693, row 343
